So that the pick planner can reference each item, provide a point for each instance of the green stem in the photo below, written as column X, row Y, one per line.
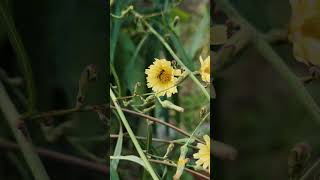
column 196, row 129
column 149, row 143
column 308, row 174
column 157, row 140
column 133, row 138
column 113, row 44
column 16, row 43
column 173, row 165
column 115, row 32
column 24, row 142
column 159, row 121
column 116, row 78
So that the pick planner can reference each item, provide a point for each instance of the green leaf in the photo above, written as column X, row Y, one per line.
column 115, row 31
column 114, row 174
column 131, row 158
column 118, row 148
column 181, row 51
column 199, row 35
column 133, row 65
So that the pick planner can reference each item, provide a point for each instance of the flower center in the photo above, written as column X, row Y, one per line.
column 207, row 69
column 164, row 76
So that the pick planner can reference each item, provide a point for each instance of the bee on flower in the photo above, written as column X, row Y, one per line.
column 205, row 69
column 162, row 77
column 203, row 154
column 304, row 31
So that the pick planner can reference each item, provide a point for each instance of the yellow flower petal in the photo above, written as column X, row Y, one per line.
column 203, row 154
column 304, row 31
column 207, row 139
column 161, row 77
column 205, row 69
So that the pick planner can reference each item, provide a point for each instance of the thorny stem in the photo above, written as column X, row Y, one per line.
column 129, row 8
column 220, row 150
column 173, row 165
column 156, row 140
column 157, row 121
column 123, row 13
column 132, row 136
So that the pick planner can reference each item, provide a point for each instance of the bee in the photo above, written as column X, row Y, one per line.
column 160, row 74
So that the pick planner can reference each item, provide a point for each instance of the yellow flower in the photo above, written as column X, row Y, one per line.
column 205, row 69
column 304, row 30
column 204, row 154
column 161, row 77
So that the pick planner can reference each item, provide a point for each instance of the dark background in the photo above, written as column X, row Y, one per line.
column 61, row 38
column 257, row 112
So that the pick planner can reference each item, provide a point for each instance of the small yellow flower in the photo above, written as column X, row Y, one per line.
column 204, row 154
column 161, row 77
column 205, row 69
column 304, row 30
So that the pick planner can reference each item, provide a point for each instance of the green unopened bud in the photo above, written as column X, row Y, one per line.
column 169, row 105
column 169, row 149
column 136, row 86
column 176, row 21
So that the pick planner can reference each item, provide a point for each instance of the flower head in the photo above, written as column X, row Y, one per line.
column 203, row 154
column 304, row 31
column 205, row 69
column 161, row 77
